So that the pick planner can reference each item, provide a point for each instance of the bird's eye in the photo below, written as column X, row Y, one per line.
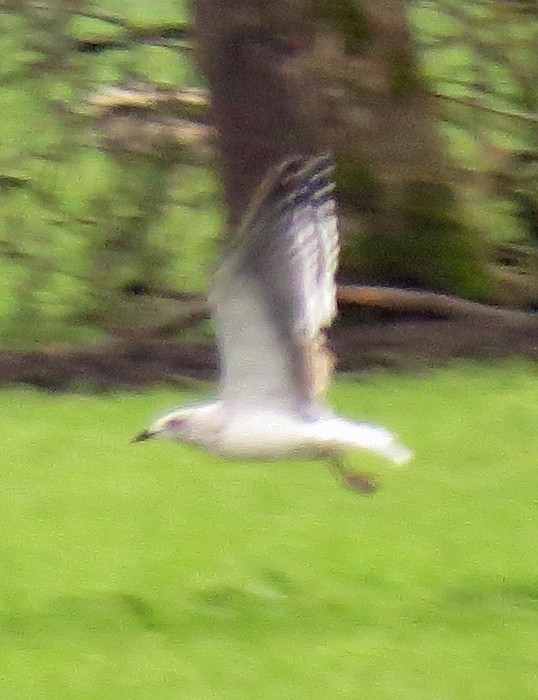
column 176, row 423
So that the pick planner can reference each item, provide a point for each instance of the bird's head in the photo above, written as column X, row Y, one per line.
column 175, row 425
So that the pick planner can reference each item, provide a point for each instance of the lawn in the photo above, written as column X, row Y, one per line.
column 154, row 572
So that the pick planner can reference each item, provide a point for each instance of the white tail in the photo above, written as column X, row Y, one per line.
column 345, row 435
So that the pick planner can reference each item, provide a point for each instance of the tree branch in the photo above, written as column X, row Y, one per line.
column 153, row 120
column 476, row 104
column 409, row 301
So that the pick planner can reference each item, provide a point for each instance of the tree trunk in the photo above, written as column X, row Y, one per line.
column 244, row 47
column 395, row 179
column 298, row 76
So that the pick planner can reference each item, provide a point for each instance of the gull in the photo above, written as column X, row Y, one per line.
column 273, row 297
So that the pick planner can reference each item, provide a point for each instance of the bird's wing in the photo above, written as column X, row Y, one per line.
column 274, row 292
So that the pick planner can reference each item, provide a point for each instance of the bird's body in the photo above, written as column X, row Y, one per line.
column 260, row 434
column 272, row 297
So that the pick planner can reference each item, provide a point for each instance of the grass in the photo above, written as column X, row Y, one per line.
column 153, row 571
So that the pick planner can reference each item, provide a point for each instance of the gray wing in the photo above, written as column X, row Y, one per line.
column 274, row 292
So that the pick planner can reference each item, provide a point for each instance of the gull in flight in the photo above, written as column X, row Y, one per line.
column 272, row 298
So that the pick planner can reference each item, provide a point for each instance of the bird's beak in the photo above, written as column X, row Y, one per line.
column 144, row 435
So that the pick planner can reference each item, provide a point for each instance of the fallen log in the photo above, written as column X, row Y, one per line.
column 406, row 343
column 407, row 301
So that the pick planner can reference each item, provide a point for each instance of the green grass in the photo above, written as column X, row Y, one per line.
column 153, row 571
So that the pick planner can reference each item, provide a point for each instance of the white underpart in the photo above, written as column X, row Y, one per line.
column 261, row 434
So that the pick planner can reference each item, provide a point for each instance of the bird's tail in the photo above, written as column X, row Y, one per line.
column 372, row 438
column 396, row 452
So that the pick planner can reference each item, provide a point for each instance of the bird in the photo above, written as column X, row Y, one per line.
column 272, row 299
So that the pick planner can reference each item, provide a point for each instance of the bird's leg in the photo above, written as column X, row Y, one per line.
column 354, row 481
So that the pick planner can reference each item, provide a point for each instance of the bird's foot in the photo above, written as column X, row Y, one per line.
column 358, row 482
column 365, row 484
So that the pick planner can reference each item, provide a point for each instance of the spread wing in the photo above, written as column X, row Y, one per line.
column 274, row 292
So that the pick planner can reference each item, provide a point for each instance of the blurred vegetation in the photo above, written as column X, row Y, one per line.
column 87, row 230
column 480, row 58
column 84, row 228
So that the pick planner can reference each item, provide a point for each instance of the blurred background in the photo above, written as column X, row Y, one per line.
column 111, row 204
column 134, row 572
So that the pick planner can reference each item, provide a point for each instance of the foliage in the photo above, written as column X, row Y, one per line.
column 82, row 227
column 480, row 58
column 155, row 571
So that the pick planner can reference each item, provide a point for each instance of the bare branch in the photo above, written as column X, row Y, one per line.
column 155, row 120
column 475, row 104
column 409, row 301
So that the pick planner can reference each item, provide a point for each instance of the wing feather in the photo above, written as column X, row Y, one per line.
column 274, row 291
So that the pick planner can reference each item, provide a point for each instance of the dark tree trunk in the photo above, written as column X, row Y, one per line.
column 244, row 46
column 395, row 180
column 298, row 76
